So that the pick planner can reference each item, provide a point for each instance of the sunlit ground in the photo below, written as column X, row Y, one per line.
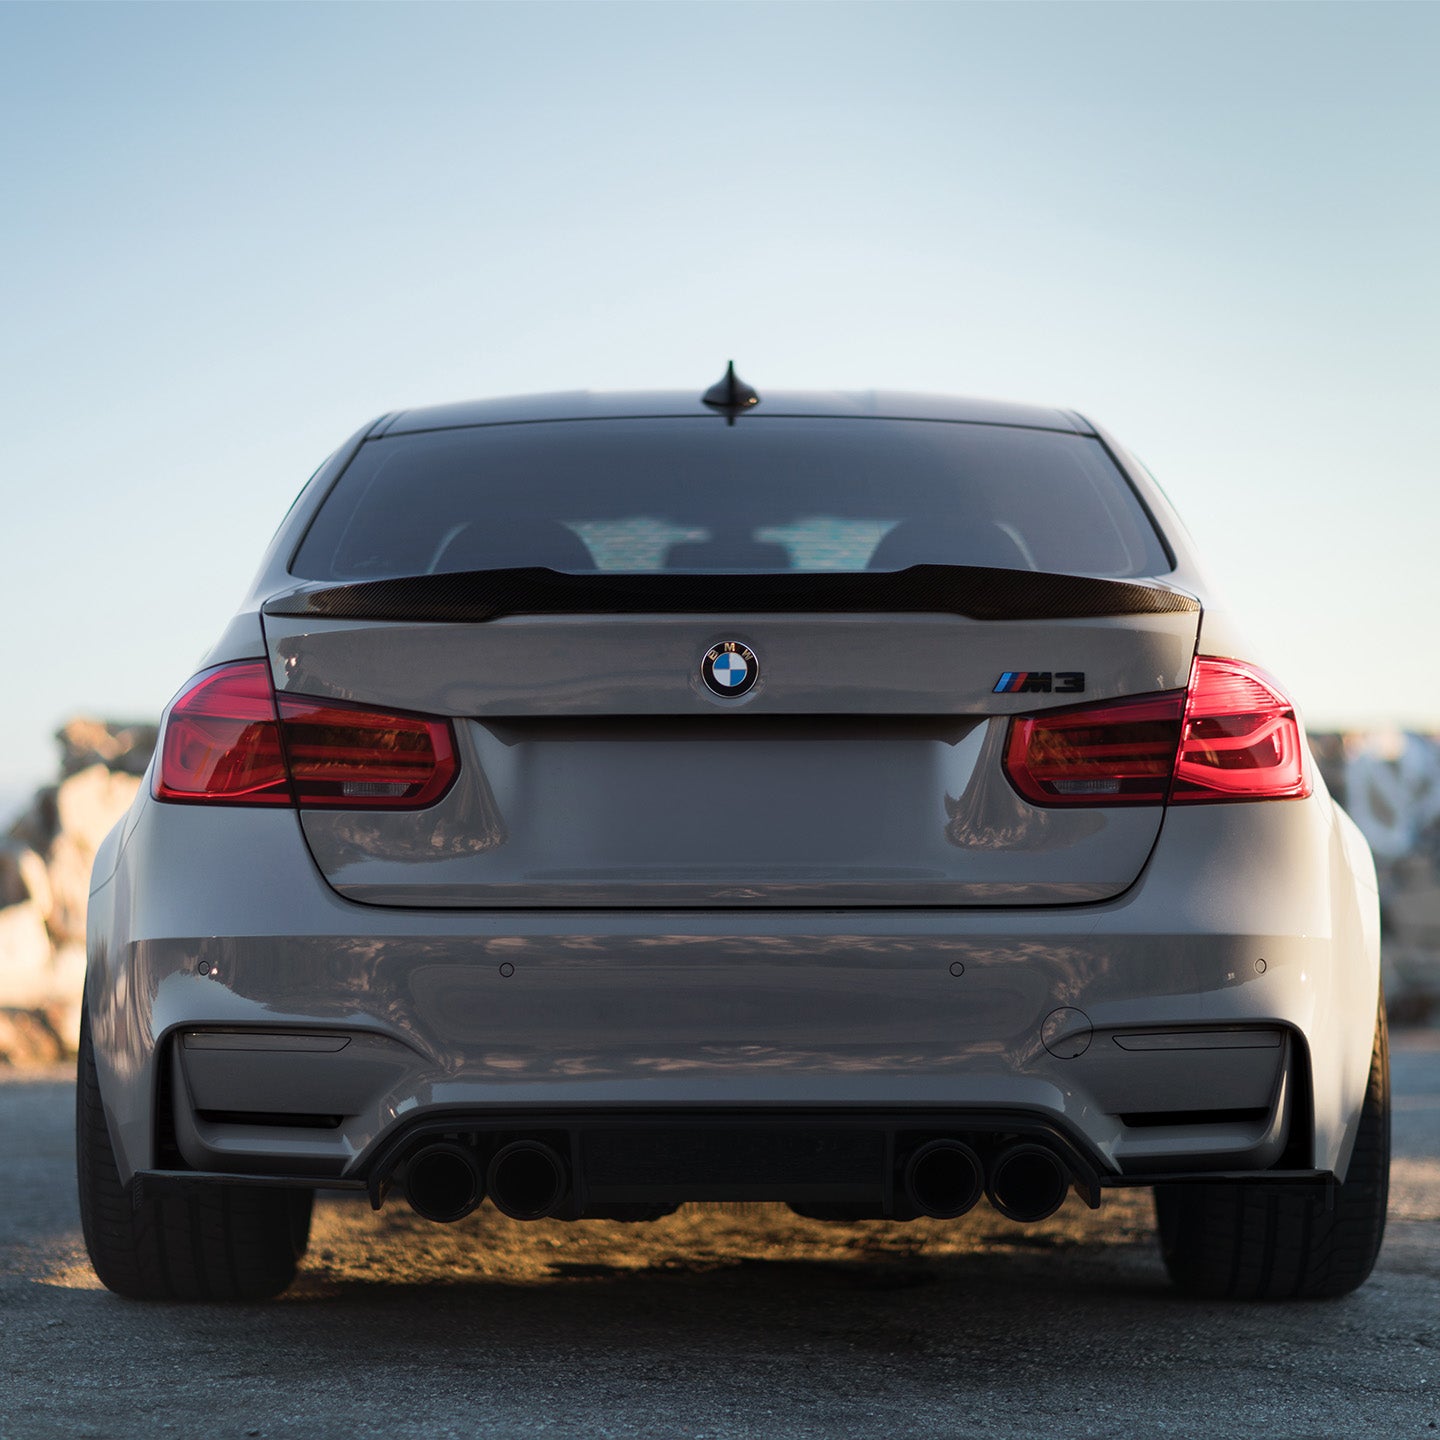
column 350, row 1244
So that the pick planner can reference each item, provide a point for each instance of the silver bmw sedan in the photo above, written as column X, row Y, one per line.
column 860, row 801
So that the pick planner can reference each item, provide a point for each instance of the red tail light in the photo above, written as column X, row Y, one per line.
column 225, row 743
column 1118, row 753
column 1232, row 736
column 1242, row 737
column 221, row 743
column 350, row 755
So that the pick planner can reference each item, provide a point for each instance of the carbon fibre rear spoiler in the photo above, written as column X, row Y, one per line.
column 977, row 592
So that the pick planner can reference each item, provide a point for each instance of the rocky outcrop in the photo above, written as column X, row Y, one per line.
column 45, row 865
column 1390, row 783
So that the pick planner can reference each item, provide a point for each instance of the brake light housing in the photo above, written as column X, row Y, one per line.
column 220, row 743
column 1242, row 737
column 228, row 739
column 1121, row 752
column 355, row 757
column 1232, row 734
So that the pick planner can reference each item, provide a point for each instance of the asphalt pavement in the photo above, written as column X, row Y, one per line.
column 719, row 1322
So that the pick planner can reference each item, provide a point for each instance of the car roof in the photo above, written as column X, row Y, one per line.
column 636, row 404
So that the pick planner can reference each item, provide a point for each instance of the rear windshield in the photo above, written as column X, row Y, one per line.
column 766, row 494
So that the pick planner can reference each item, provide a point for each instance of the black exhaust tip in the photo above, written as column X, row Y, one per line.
column 443, row 1182
column 1027, row 1183
column 944, row 1179
column 527, row 1180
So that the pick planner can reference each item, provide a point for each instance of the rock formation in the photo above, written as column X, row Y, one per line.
column 45, row 865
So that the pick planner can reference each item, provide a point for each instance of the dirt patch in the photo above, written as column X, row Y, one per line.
column 351, row 1244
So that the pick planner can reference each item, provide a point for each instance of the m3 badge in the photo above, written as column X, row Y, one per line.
column 1040, row 682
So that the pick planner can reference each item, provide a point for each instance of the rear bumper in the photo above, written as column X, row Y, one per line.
column 1218, row 1011
column 330, row 1100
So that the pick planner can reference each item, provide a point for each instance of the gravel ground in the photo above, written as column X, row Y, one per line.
column 720, row 1321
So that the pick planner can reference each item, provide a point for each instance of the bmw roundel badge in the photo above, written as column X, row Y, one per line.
column 729, row 669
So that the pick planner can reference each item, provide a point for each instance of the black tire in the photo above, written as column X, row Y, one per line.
column 235, row 1242
column 1252, row 1241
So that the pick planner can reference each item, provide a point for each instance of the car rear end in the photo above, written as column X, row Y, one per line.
column 857, row 809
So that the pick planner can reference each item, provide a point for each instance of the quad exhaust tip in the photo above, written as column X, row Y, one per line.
column 1027, row 1183
column 527, row 1180
column 443, row 1181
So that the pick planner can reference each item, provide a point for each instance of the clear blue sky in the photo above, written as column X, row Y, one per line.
column 231, row 235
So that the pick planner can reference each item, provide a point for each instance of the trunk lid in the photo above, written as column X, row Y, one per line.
column 864, row 767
